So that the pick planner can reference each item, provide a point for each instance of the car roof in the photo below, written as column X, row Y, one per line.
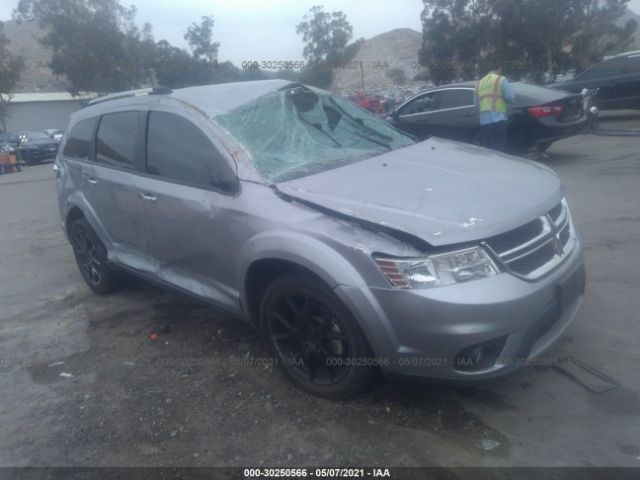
column 467, row 84
column 224, row 97
column 213, row 100
column 625, row 54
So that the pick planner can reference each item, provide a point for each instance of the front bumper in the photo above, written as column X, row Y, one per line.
column 422, row 332
column 37, row 155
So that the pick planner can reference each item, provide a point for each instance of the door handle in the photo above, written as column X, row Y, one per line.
column 92, row 180
column 148, row 197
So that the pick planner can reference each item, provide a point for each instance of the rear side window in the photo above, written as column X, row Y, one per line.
column 178, row 150
column 79, row 140
column 455, row 98
column 116, row 139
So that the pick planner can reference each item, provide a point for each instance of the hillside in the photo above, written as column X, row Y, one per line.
column 389, row 51
column 37, row 76
column 396, row 49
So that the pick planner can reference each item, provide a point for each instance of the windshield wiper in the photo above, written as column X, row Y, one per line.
column 360, row 123
column 319, row 129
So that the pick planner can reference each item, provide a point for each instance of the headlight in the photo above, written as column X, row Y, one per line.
column 438, row 270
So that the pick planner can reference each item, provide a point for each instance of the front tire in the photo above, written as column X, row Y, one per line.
column 314, row 338
column 91, row 258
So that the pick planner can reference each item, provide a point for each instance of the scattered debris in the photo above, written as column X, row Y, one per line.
column 487, row 444
column 153, row 336
column 66, row 375
column 56, row 364
column 585, row 375
column 470, row 222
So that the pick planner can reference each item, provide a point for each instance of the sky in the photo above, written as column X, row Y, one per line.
column 264, row 30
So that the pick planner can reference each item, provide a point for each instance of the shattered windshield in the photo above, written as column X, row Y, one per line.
column 297, row 132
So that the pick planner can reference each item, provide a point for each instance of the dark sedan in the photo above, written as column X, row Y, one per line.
column 32, row 146
column 539, row 116
column 617, row 80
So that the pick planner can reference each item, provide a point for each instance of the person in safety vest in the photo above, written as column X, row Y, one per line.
column 493, row 94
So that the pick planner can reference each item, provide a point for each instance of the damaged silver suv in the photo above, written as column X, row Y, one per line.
column 352, row 247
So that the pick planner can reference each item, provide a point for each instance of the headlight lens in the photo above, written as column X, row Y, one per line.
column 438, row 270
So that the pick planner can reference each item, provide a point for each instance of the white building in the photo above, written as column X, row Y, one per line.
column 40, row 111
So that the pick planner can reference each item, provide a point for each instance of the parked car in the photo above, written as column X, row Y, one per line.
column 31, row 146
column 348, row 244
column 539, row 116
column 55, row 133
column 371, row 103
column 617, row 80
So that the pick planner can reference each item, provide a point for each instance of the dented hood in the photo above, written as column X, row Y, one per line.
column 441, row 191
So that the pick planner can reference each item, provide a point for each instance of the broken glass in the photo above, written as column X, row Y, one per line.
column 298, row 131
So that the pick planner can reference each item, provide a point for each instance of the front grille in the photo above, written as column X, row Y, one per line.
column 536, row 259
column 536, row 248
column 514, row 238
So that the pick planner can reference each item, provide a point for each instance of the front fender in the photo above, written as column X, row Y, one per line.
column 302, row 250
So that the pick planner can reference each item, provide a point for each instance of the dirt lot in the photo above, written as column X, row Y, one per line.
column 81, row 382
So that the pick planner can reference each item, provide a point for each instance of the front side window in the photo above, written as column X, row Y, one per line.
column 79, row 140
column 297, row 132
column 116, row 139
column 178, row 150
column 421, row 104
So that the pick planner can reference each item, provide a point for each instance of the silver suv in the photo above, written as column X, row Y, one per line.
column 349, row 245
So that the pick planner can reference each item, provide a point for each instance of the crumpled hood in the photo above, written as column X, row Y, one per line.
column 442, row 191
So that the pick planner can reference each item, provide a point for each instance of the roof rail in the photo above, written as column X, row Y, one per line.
column 159, row 90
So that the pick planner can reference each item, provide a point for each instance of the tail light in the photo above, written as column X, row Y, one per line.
column 540, row 112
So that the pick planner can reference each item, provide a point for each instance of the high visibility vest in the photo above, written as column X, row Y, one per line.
column 490, row 96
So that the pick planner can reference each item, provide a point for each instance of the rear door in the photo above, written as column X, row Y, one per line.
column 188, row 190
column 110, row 183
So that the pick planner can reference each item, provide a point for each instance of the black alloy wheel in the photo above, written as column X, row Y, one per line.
column 314, row 337
column 91, row 257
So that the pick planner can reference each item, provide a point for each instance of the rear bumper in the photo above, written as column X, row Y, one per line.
column 552, row 134
column 425, row 333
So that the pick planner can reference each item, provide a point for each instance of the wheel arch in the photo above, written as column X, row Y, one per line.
column 268, row 256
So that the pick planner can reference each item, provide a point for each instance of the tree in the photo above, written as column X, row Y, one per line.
column 91, row 41
column 465, row 38
column 11, row 68
column 600, row 36
column 97, row 46
column 326, row 36
column 456, row 35
column 176, row 68
column 200, row 39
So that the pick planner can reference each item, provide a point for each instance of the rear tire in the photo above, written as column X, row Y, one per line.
column 91, row 258
column 314, row 338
